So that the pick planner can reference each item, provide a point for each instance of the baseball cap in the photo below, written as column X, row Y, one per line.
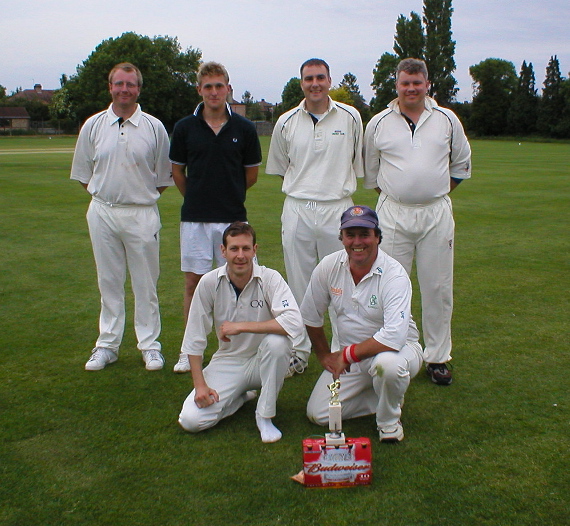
column 359, row 216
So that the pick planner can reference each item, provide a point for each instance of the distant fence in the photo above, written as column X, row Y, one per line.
column 264, row 127
column 43, row 128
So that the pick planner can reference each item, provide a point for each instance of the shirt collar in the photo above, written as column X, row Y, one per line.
column 332, row 106
column 134, row 118
column 223, row 272
column 430, row 104
column 377, row 266
column 200, row 108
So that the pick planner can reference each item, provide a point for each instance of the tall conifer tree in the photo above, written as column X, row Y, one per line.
column 440, row 50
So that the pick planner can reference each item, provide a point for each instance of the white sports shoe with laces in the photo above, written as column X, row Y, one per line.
column 296, row 366
column 153, row 359
column 393, row 433
column 183, row 364
column 100, row 357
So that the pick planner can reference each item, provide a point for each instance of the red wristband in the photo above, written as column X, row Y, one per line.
column 349, row 354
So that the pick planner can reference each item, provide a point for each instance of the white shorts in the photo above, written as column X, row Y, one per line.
column 200, row 246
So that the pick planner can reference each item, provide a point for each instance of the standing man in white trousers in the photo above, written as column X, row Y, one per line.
column 121, row 158
column 415, row 153
column 317, row 150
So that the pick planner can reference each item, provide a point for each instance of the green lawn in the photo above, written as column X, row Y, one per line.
column 105, row 449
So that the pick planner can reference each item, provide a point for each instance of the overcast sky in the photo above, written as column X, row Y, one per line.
column 263, row 43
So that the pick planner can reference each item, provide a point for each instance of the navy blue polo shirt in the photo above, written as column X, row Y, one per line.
column 215, row 166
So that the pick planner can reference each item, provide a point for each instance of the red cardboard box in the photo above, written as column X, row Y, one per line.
column 339, row 466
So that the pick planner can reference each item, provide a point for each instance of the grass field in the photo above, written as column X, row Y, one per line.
column 105, row 449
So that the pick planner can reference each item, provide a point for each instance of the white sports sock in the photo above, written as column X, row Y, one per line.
column 249, row 395
column 269, row 433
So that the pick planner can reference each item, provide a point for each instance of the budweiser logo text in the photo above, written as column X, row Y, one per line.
column 317, row 468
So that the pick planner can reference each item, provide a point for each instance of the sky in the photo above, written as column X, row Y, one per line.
column 263, row 43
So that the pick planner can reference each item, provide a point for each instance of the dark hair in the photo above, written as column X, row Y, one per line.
column 377, row 233
column 238, row 228
column 315, row 62
column 412, row 66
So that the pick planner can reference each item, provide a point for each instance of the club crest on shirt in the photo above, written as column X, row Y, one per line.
column 338, row 132
column 336, row 291
column 285, row 303
column 373, row 303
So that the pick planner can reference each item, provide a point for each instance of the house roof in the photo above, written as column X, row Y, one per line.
column 38, row 93
column 13, row 112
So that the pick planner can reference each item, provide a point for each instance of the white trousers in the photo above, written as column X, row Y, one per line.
column 126, row 236
column 309, row 232
column 376, row 385
column 233, row 376
column 427, row 233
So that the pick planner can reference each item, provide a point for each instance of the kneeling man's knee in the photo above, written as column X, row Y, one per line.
column 277, row 345
column 316, row 414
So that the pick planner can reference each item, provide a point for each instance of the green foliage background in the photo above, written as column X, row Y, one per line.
column 104, row 448
column 169, row 77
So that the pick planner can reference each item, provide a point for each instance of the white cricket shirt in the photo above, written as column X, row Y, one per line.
column 266, row 296
column 415, row 168
column 319, row 161
column 123, row 164
column 378, row 307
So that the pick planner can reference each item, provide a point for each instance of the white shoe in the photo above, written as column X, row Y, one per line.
column 296, row 366
column 249, row 395
column 183, row 364
column 153, row 359
column 393, row 433
column 100, row 357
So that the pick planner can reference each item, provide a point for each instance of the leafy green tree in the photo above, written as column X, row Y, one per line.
column 169, row 76
column 431, row 42
column 440, row 50
column 2, row 92
column 340, row 94
column 409, row 40
column 60, row 112
column 59, row 106
column 495, row 81
column 384, row 82
column 252, row 110
column 563, row 128
column 552, row 101
column 246, row 98
column 348, row 82
column 291, row 96
column 523, row 114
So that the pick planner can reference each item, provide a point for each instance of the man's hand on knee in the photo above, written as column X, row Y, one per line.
column 205, row 397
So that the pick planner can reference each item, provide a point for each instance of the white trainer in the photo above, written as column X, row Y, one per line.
column 153, row 359
column 393, row 433
column 183, row 364
column 296, row 366
column 100, row 357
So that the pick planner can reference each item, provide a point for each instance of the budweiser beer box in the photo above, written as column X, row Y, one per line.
column 338, row 466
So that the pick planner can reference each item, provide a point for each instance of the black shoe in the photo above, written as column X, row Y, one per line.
column 439, row 373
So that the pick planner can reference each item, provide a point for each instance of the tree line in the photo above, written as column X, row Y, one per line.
column 504, row 103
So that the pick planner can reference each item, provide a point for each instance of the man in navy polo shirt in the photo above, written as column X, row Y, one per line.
column 215, row 157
